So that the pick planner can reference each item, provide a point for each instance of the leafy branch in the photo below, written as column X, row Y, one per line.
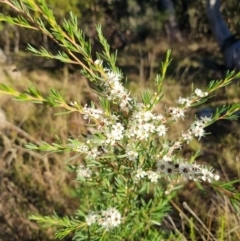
column 32, row 94
column 65, row 225
column 61, row 36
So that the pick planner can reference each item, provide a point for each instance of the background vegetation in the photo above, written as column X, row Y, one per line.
column 32, row 183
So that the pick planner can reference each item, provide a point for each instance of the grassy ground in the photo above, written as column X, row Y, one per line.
column 32, row 182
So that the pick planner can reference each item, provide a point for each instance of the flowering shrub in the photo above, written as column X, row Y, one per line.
column 128, row 153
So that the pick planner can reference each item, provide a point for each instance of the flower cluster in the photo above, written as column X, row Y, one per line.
column 91, row 152
column 90, row 113
column 200, row 93
column 113, row 88
column 197, row 127
column 112, row 130
column 172, row 169
column 108, row 219
column 176, row 113
column 83, row 172
column 185, row 101
column 151, row 175
column 144, row 123
column 96, row 115
column 114, row 134
column 193, row 171
column 141, row 125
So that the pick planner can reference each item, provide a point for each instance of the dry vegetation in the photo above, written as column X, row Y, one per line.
column 33, row 182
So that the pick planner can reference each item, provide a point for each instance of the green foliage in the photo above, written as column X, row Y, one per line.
column 121, row 190
column 66, row 225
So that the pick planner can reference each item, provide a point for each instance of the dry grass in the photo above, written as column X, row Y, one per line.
column 31, row 182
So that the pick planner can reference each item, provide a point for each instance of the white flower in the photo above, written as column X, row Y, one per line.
column 148, row 127
column 111, row 139
column 176, row 145
column 161, row 130
column 216, row 177
column 124, row 105
column 176, row 113
column 140, row 131
column 114, row 90
column 198, row 131
column 143, row 116
column 91, row 113
column 191, row 171
column 73, row 103
column 112, row 77
column 83, row 172
column 200, row 93
column 159, row 117
column 197, row 128
column 110, row 218
column 131, row 151
column 98, row 62
column 184, row 101
column 115, row 134
column 206, row 119
column 188, row 136
column 140, row 174
column 153, row 176
column 165, row 167
column 207, row 175
column 93, row 153
column 118, row 128
column 132, row 155
column 91, row 218
column 198, row 123
column 167, row 158
column 82, row 148
column 184, row 169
